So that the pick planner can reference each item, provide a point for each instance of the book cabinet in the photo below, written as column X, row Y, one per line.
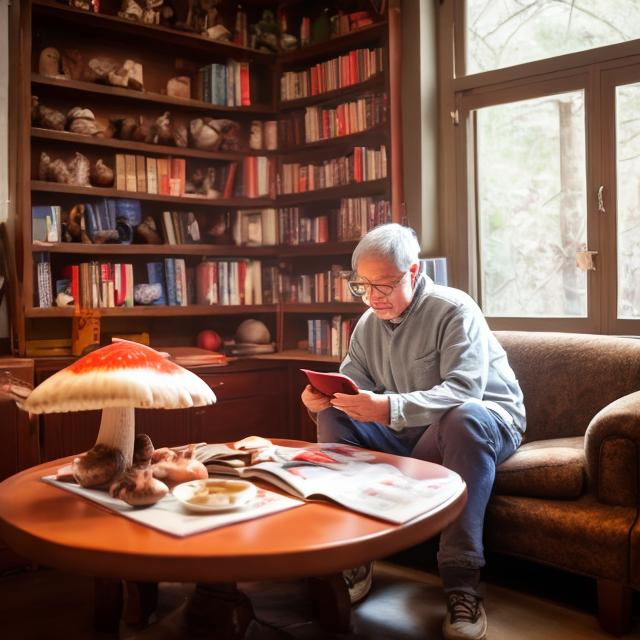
column 357, row 164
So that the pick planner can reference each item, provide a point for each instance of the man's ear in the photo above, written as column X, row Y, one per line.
column 414, row 270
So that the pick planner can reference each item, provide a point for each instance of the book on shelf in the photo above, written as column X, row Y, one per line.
column 436, row 269
column 330, row 337
column 347, row 475
column 255, row 227
column 351, row 68
column 248, row 349
column 225, row 84
column 263, row 135
column 46, row 223
column 44, row 285
column 155, row 275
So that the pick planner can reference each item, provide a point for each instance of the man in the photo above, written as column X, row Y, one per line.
column 435, row 385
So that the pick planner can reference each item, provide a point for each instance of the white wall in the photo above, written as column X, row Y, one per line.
column 4, row 133
column 420, row 120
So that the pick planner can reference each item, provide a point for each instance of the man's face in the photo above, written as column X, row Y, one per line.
column 372, row 270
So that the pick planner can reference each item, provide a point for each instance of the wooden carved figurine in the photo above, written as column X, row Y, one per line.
column 49, row 63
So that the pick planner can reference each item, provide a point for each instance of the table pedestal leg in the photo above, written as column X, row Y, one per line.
column 331, row 600
column 107, row 607
column 141, row 602
column 220, row 609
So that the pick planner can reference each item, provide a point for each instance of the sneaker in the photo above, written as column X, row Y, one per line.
column 465, row 619
column 358, row 582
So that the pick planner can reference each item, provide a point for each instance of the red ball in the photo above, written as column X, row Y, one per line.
column 209, row 339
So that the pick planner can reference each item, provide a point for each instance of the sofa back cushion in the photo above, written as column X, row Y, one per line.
column 566, row 378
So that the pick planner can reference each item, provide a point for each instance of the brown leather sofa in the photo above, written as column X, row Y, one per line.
column 570, row 496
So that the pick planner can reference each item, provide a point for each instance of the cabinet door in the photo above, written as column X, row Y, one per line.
column 166, row 428
column 65, row 434
column 249, row 403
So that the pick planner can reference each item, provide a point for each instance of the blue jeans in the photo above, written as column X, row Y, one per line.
column 470, row 440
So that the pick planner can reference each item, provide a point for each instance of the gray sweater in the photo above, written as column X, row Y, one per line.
column 440, row 355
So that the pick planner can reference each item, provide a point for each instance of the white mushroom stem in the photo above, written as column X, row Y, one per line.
column 117, row 430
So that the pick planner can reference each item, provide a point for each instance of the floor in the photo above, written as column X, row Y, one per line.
column 405, row 604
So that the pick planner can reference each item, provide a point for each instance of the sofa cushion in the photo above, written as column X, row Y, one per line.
column 544, row 469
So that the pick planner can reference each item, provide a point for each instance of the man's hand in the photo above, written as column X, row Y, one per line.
column 366, row 406
column 314, row 400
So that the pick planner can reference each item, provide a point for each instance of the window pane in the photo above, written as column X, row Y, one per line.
column 509, row 32
column 532, row 206
column 628, row 205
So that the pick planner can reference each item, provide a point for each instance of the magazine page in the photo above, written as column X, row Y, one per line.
column 169, row 516
column 349, row 476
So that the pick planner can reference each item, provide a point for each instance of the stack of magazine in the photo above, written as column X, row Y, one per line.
column 344, row 474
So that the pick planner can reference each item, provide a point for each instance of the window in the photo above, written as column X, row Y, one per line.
column 540, row 184
column 509, row 32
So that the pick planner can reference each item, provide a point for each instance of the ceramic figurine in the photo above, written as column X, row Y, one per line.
column 75, row 172
column 49, row 63
column 161, row 130
column 82, row 121
column 151, row 13
column 130, row 10
column 73, row 64
column 73, row 226
column 147, row 232
column 101, row 174
column 79, row 169
column 46, row 117
column 179, row 87
column 63, row 299
column 85, row 5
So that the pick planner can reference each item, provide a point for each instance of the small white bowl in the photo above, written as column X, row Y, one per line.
column 215, row 494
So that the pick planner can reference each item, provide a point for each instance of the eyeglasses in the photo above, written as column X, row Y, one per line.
column 359, row 287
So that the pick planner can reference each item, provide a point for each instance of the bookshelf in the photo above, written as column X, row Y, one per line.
column 167, row 52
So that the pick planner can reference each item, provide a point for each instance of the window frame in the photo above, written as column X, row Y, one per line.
column 595, row 71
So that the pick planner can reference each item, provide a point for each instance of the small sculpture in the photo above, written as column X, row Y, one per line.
column 151, row 13
column 73, row 64
column 145, row 293
column 107, row 70
column 75, row 172
column 82, row 121
column 211, row 134
column 85, row 5
column 73, row 225
column 130, row 10
column 101, row 174
column 264, row 35
column 46, row 117
column 179, row 87
column 161, row 130
column 63, row 299
column 49, row 63
column 180, row 136
column 147, row 232
column 203, row 183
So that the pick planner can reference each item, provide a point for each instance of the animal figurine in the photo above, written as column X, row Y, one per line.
column 82, row 121
column 46, row 117
column 73, row 225
column 76, row 172
column 151, row 12
column 49, row 63
column 161, row 130
column 101, row 174
column 211, row 134
column 130, row 10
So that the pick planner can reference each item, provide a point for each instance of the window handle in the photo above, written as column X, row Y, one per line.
column 601, row 208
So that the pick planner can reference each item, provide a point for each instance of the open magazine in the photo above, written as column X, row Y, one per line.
column 345, row 474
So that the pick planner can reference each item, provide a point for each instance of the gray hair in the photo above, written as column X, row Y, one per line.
column 391, row 242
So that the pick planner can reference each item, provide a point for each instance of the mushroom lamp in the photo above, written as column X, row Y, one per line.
column 118, row 379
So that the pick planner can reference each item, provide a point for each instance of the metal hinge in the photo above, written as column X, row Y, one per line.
column 455, row 117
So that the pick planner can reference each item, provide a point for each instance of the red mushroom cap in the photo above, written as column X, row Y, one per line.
column 122, row 374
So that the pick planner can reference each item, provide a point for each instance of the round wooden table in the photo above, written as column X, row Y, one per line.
column 56, row 528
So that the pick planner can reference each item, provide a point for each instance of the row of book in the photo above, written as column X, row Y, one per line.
column 225, row 84
column 331, row 285
column 351, row 68
column 140, row 174
column 330, row 337
column 295, row 228
column 323, row 123
column 229, row 282
column 362, row 165
column 356, row 216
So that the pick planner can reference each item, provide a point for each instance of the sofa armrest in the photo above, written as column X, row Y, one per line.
column 612, row 449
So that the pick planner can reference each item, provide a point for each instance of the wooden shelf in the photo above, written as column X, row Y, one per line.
column 156, row 311
column 353, row 190
column 231, row 251
column 362, row 138
column 186, row 201
column 78, row 86
column 337, row 95
column 118, row 27
column 317, row 249
column 324, row 307
column 354, row 40
column 142, row 147
column 297, row 354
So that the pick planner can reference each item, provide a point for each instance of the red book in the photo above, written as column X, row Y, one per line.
column 232, row 169
column 330, row 383
column 353, row 67
column 207, row 283
column 245, row 91
column 72, row 272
